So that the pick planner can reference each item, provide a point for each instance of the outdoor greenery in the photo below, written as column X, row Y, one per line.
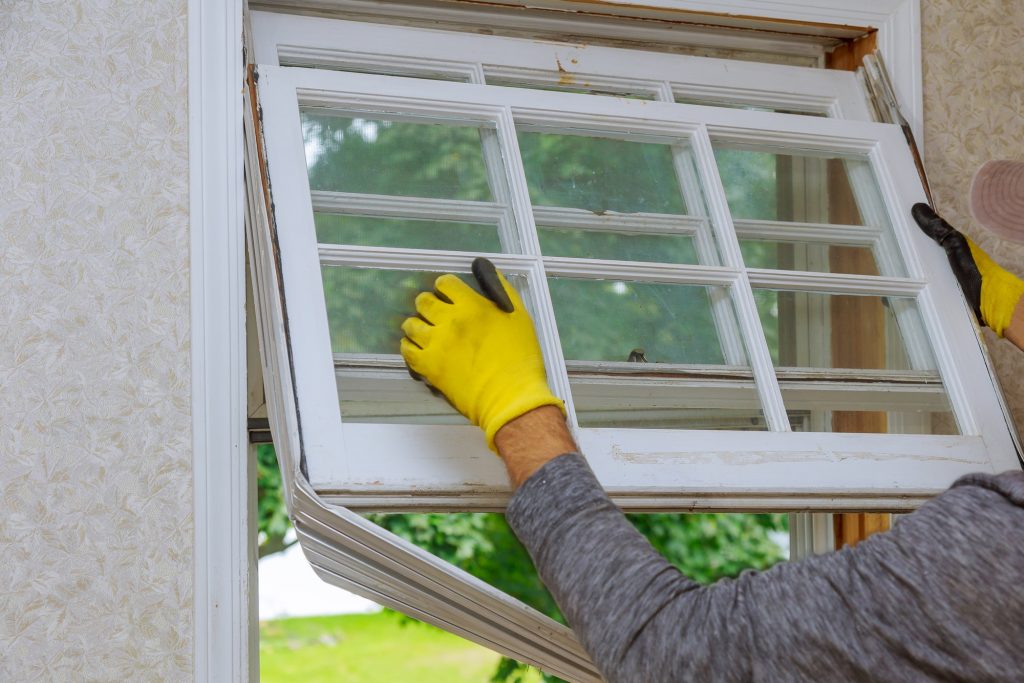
column 370, row 648
column 597, row 319
column 705, row 547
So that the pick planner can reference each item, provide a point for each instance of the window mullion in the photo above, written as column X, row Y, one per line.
column 743, row 296
column 544, row 312
column 704, row 242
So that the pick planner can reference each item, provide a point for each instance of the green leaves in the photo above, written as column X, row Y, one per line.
column 705, row 547
column 272, row 517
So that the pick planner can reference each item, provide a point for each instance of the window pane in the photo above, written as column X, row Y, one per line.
column 380, row 156
column 610, row 320
column 842, row 331
column 390, row 396
column 365, row 310
column 409, row 233
column 617, row 246
column 834, row 191
column 864, row 410
column 808, row 256
column 788, row 187
column 670, row 403
column 600, row 174
column 366, row 306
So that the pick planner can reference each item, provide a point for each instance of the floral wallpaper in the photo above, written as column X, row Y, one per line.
column 95, row 441
column 973, row 112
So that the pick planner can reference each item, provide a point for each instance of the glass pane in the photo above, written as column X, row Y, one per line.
column 600, row 174
column 365, row 310
column 862, row 411
column 814, row 189
column 810, row 329
column 392, row 397
column 638, row 403
column 612, row 320
column 380, row 156
column 366, row 306
column 425, row 70
column 617, row 246
column 409, row 233
column 808, row 256
column 788, row 187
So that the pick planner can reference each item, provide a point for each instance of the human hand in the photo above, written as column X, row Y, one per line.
column 480, row 352
column 991, row 291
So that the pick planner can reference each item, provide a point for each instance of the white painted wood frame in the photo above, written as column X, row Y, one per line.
column 223, row 637
column 425, row 466
column 225, row 644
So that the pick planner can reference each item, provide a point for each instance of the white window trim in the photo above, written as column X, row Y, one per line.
column 224, row 614
column 224, row 564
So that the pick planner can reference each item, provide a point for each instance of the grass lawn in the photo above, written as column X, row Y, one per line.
column 370, row 648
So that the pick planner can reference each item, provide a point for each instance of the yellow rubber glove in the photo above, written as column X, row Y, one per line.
column 1000, row 290
column 480, row 352
column 991, row 291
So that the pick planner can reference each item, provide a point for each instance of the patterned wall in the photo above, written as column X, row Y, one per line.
column 974, row 111
column 95, row 442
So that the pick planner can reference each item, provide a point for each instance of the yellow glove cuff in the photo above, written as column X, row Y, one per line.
column 516, row 406
column 1000, row 290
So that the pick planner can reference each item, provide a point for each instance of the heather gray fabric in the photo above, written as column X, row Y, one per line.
column 938, row 598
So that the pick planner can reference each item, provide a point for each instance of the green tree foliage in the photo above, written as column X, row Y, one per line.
column 705, row 547
column 272, row 517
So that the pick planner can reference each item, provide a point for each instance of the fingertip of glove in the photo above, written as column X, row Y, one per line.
column 491, row 282
column 931, row 223
column 923, row 213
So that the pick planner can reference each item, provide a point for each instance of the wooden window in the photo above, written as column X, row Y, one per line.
column 708, row 236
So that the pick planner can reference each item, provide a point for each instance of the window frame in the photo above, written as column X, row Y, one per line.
column 225, row 623
column 349, row 552
column 641, row 469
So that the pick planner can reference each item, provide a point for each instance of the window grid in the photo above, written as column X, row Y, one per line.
column 738, row 280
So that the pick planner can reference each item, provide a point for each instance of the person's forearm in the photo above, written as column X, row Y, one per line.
column 531, row 440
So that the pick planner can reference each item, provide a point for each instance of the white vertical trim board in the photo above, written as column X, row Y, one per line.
column 224, row 562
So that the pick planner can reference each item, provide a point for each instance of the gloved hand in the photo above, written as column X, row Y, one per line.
column 992, row 292
column 480, row 352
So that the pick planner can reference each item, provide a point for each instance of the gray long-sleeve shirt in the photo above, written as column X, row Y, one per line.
column 940, row 597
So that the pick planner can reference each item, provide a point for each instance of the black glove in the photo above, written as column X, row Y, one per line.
column 958, row 251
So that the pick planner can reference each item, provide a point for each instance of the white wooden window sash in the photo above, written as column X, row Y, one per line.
column 641, row 468
column 782, row 469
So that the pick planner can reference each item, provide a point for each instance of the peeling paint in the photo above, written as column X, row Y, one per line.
column 770, row 457
column 564, row 77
